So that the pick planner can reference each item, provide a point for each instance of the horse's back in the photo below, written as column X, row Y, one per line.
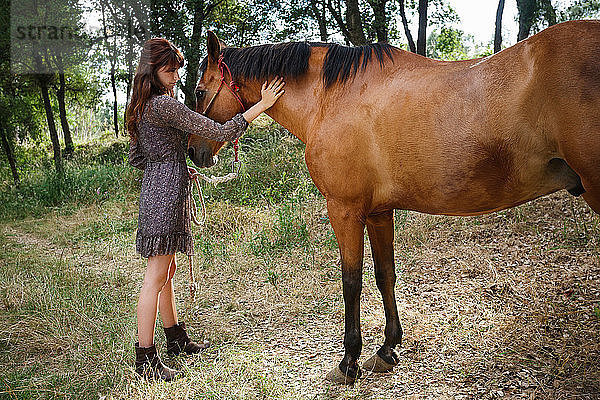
column 468, row 137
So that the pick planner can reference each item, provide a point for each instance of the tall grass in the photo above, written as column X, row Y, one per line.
column 63, row 329
column 273, row 171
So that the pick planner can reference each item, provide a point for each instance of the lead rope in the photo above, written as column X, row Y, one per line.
column 195, row 177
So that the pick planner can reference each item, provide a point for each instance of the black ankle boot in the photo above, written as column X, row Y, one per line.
column 178, row 341
column 148, row 365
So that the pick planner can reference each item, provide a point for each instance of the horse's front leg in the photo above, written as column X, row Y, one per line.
column 349, row 230
column 381, row 236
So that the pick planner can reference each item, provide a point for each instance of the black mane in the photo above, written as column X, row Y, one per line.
column 342, row 62
column 290, row 60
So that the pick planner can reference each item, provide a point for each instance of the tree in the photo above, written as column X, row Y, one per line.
column 60, row 94
column 435, row 13
column 319, row 13
column 44, row 81
column 447, row 44
column 108, row 17
column 70, row 14
column 380, row 25
column 301, row 20
column 580, row 9
column 245, row 23
column 498, row 32
column 183, row 24
column 533, row 14
column 411, row 42
column 50, row 54
column 19, row 113
column 351, row 26
column 422, row 37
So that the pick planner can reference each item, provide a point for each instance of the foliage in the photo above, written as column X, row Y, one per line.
column 301, row 20
column 273, row 172
column 539, row 14
column 245, row 23
column 448, row 44
column 91, row 176
column 580, row 9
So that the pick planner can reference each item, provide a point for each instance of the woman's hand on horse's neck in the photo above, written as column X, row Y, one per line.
column 269, row 94
column 294, row 110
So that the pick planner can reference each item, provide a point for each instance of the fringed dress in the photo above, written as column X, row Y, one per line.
column 160, row 150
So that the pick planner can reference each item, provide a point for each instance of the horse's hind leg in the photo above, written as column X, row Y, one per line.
column 349, row 230
column 381, row 236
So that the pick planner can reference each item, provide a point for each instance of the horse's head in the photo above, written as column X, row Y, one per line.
column 221, row 103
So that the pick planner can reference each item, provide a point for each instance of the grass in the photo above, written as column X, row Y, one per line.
column 58, row 321
column 502, row 305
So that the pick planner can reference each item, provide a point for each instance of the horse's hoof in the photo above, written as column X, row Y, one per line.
column 337, row 376
column 376, row 364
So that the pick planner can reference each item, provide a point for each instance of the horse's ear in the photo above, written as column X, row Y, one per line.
column 213, row 47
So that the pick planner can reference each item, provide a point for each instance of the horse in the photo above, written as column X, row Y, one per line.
column 387, row 129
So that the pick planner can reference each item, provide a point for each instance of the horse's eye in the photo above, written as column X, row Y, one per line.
column 200, row 94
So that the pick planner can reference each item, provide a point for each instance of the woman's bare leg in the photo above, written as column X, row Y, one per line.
column 154, row 281
column 166, row 300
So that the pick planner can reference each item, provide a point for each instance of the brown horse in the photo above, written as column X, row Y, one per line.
column 387, row 129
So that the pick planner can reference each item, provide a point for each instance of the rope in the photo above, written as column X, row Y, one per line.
column 195, row 176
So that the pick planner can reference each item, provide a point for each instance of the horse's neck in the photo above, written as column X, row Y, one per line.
column 296, row 108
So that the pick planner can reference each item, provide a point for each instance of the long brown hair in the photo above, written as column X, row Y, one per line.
column 156, row 54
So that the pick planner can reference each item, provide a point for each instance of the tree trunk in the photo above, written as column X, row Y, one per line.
column 354, row 23
column 498, row 34
column 321, row 17
column 548, row 11
column 129, row 71
column 10, row 156
column 113, row 60
column 43, row 81
column 422, row 38
column 113, row 83
column 62, row 111
column 411, row 42
column 193, row 55
column 380, row 20
column 526, row 14
column 338, row 19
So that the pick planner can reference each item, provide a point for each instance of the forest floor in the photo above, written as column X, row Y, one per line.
column 505, row 305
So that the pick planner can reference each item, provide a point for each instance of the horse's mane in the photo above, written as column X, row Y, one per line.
column 290, row 60
column 342, row 62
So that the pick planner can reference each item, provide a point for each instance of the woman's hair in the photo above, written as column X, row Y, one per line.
column 156, row 54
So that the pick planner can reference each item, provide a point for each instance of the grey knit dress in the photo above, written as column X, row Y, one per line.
column 160, row 150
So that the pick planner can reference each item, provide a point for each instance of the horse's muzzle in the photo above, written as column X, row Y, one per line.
column 202, row 158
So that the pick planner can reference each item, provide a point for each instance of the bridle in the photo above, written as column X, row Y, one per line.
column 233, row 88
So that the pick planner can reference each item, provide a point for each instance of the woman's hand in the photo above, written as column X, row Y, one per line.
column 270, row 92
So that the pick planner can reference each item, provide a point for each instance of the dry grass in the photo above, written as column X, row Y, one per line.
column 499, row 306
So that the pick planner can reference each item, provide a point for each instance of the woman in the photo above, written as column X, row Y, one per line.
column 159, row 125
